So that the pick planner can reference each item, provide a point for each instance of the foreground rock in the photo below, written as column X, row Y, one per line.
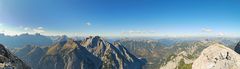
column 217, row 56
column 10, row 61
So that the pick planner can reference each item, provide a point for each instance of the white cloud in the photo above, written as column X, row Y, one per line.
column 27, row 28
column 210, row 32
column 134, row 32
column 40, row 28
column 207, row 30
column 140, row 33
column 1, row 24
column 33, row 30
column 10, row 32
column 2, row 31
column 88, row 23
column 220, row 34
column 22, row 29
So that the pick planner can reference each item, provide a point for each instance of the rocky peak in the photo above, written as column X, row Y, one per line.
column 92, row 41
column 62, row 39
column 67, row 44
column 217, row 56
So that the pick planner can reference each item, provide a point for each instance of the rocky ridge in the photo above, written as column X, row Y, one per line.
column 10, row 61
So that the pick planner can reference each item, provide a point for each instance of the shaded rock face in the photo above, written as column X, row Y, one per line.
column 217, row 56
column 91, row 53
column 31, row 55
column 237, row 48
column 8, row 60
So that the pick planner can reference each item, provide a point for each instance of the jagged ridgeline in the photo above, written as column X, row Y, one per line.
column 91, row 53
column 10, row 61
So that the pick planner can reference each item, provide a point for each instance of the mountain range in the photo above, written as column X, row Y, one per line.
column 19, row 41
column 95, row 52
column 91, row 53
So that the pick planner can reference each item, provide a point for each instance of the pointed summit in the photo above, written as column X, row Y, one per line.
column 92, row 41
column 62, row 39
column 65, row 44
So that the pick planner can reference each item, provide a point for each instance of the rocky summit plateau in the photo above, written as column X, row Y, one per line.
column 217, row 56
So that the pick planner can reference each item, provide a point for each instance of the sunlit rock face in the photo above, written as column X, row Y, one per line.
column 10, row 61
column 217, row 56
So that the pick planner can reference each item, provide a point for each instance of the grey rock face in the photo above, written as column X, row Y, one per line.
column 8, row 60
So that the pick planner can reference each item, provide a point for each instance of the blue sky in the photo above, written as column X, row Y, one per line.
column 121, row 17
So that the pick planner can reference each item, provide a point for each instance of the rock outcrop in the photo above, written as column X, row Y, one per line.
column 237, row 48
column 10, row 61
column 217, row 56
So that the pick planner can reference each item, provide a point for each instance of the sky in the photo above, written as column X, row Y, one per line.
column 121, row 17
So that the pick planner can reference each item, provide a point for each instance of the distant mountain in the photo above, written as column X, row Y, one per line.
column 90, row 53
column 217, row 56
column 10, row 61
column 25, row 39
